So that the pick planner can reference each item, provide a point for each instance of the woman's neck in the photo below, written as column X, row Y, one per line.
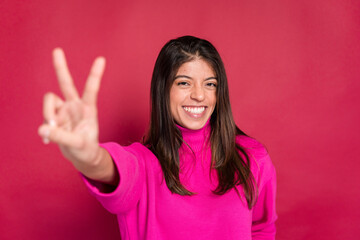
column 196, row 139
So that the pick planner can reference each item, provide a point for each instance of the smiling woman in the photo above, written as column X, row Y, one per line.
column 193, row 94
column 194, row 164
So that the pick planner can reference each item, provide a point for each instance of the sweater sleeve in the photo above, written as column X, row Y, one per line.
column 131, row 173
column 264, row 214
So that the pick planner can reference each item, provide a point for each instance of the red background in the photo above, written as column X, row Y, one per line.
column 293, row 69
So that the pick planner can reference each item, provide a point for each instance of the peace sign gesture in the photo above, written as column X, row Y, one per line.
column 72, row 123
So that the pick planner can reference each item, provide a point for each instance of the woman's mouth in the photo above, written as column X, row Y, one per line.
column 195, row 112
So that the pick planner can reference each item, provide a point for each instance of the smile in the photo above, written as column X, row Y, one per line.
column 195, row 110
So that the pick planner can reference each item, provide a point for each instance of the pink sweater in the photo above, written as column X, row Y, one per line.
column 146, row 209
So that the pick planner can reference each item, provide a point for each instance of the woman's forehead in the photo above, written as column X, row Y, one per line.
column 196, row 68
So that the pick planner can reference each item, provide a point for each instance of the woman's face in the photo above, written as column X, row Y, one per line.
column 193, row 94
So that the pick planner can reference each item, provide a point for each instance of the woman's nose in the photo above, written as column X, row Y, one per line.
column 197, row 93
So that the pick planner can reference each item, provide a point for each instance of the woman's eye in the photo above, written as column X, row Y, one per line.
column 182, row 83
column 211, row 84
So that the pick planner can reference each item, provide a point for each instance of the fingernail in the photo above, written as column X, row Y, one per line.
column 46, row 140
column 52, row 123
column 45, row 132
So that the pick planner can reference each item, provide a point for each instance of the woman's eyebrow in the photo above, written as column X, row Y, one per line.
column 185, row 76
column 182, row 76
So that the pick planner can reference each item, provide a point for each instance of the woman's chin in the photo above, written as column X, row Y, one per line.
column 193, row 124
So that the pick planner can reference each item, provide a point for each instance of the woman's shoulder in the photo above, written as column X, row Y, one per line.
column 260, row 162
column 252, row 146
column 140, row 150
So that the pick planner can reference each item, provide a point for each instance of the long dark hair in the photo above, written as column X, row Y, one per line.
column 164, row 139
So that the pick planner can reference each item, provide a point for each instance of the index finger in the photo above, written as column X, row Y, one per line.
column 64, row 77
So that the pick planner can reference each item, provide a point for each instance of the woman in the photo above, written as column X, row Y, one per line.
column 195, row 176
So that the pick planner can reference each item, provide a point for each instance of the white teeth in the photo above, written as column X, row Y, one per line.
column 196, row 110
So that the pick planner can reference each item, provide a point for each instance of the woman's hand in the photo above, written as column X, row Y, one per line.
column 72, row 123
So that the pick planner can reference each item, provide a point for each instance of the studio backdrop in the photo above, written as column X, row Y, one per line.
column 294, row 76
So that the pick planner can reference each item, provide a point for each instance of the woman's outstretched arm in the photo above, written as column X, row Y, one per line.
column 72, row 122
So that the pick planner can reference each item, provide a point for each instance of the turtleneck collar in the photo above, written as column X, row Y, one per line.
column 196, row 139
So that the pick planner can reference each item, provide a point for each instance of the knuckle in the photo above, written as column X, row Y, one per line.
column 48, row 96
